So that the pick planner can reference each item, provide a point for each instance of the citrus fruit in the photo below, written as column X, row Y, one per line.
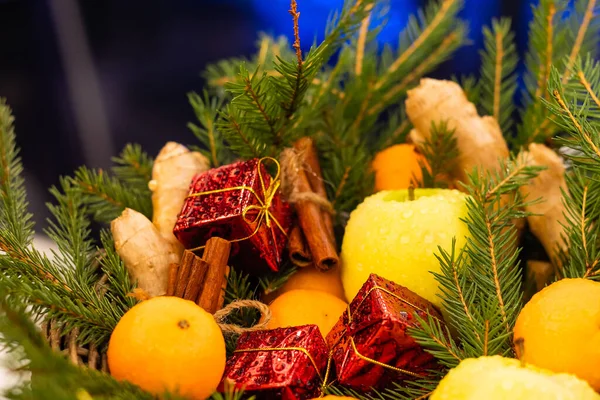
column 397, row 239
column 396, row 166
column 167, row 343
column 499, row 378
column 313, row 279
column 559, row 329
column 303, row 307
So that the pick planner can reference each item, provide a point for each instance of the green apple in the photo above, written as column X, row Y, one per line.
column 499, row 378
column 397, row 238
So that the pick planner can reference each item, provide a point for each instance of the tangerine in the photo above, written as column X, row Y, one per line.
column 559, row 329
column 313, row 279
column 303, row 307
column 168, row 344
column 396, row 166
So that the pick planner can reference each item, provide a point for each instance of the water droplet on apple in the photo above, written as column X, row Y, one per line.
column 428, row 238
column 404, row 239
column 407, row 214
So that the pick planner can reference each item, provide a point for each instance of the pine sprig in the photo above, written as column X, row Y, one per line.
column 53, row 376
column 70, row 230
column 551, row 42
column 13, row 211
column 429, row 38
column 106, row 196
column 134, row 167
column 582, row 233
column 571, row 112
column 498, row 80
column 574, row 105
column 207, row 109
column 440, row 152
column 481, row 284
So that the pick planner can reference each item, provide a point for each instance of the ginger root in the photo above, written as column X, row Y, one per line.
column 173, row 170
column 146, row 253
column 479, row 139
column 547, row 225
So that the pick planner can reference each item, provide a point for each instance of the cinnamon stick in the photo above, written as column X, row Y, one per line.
column 216, row 254
column 310, row 159
column 196, row 279
column 298, row 249
column 185, row 267
column 322, row 249
column 173, row 270
column 221, row 301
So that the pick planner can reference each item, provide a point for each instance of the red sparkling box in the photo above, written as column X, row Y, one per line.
column 239, row 202
column 370, row 344
column 282, row 363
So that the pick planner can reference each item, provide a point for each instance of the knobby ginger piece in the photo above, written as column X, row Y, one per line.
column 146, row 253
column 479, row 139
column 546, row 186
column 173, row 170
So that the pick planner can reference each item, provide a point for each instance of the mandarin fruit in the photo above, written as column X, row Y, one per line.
column 396, row 166
column 303, row 307
column 167, row 343
column 559, row 329
column 313, row 279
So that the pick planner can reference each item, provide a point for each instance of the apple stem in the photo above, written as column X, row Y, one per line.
column 411, row 192
column 520, row 349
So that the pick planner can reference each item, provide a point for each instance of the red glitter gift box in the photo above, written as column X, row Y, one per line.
column 283, row 363
column 370, row 344
column 239, row 202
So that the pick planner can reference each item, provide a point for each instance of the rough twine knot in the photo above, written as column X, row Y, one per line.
column 221, row 315
column 291, row 162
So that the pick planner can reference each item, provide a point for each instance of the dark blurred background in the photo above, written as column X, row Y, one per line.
column 86, row 77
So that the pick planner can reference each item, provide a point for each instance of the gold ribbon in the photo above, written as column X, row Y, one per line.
column 264, row 203
column 365, row 358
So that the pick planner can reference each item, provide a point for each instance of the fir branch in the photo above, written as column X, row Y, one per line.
column 271, row 282
column 440, row 151
column 14, row 217
column 498, row 79
column 206, row 109
column 395, row 131
column 53, row 376
column 572, row 116
column 243, row 144
column 588, row 29
column 435, row 24
column 119, row 284
column 70, row 230
column 436, row 28
column 582, row 233
column 481, row 284
column 107, row 197
column 134, row 168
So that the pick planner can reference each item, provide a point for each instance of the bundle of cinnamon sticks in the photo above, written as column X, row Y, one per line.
column 202, row 280
column 312, row 239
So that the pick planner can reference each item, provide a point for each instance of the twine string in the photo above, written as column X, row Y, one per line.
column 291, row 164
column 221, row 315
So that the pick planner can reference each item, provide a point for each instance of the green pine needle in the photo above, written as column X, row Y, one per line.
column 106, row 196
column 440, row 152
column 498, row 80
column 134, row 167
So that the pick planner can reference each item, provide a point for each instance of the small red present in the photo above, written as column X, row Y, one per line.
column 239, row 202
column 283, row 363
column 370, row 344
